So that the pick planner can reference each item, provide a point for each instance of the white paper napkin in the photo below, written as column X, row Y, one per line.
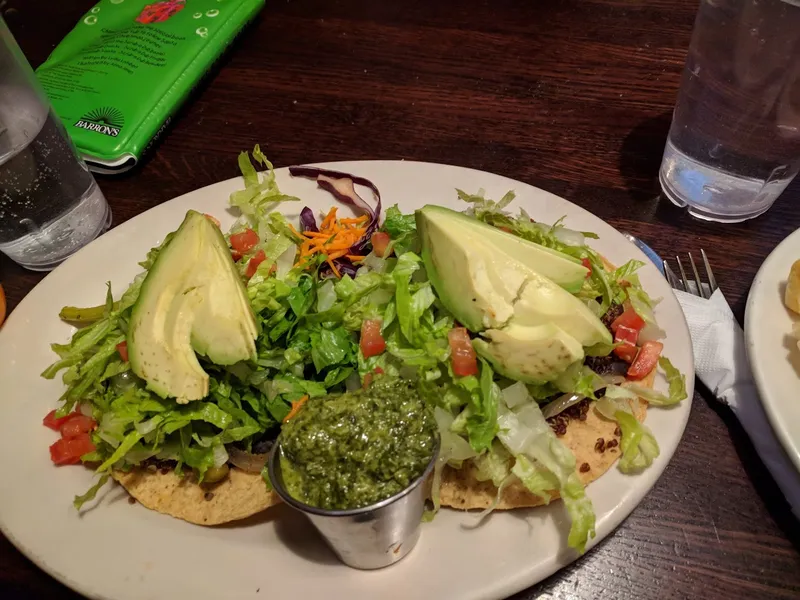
column 721, row 363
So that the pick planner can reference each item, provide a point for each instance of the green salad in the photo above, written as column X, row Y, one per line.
column 224, row 337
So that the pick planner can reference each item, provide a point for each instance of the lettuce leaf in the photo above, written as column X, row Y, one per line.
column 638, row 444
column 260, row 195
column 90, row 494
column 544, row 463
column 402, row 230
column 675, row 379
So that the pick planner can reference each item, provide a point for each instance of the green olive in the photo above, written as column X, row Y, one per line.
column 216, row 474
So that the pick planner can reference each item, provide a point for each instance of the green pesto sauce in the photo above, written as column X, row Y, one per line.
column 351, row 450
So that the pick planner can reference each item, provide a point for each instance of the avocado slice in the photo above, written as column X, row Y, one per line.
column 533, row 327
column 564, row 270
column 192, row 301
column 529, row 354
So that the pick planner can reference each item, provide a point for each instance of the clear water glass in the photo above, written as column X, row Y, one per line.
column 50, row 204
column 734, row 143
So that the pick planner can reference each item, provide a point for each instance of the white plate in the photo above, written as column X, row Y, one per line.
column 772, row 350
column 123, row 551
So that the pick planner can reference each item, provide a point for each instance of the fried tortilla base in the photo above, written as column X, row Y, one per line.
column 238, row 496
column 461, row 489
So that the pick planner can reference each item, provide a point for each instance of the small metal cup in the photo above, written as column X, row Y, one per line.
column 370, row 537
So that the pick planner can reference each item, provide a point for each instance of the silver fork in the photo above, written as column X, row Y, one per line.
column 692, row 286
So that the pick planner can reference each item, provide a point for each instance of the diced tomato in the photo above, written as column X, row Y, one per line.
column 68, row 451
column 236, row 256
column 252, row 266
column 646, row 360
column 213, row 219
column 588, row 264
column 629, row 318
column 76, row 425
column 380, row 241
column 504, row 228
column 372, row 342
column 627, row 336
column 244, row 240
column 122, row 348
column 54, row 423
column 465, row 362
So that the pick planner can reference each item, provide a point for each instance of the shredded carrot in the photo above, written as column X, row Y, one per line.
column 294, row 231
column 333, row 240
column 356, row 221
column 333, row 268
column 329, row 219
column 355, row 257
column 296, row 406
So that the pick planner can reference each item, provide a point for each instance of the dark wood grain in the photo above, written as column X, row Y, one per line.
column 571, row 96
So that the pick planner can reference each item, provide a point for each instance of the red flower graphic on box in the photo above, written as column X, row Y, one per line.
column 160, row 11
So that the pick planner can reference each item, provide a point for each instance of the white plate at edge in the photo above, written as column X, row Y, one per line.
column 125, row 552
column 771, row 348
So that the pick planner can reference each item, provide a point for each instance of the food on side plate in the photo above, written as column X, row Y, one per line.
column 791, row 297
column 530, row 355
column 351, row 450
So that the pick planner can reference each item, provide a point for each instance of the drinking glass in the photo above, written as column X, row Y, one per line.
column 50, row 204
column 734, row 143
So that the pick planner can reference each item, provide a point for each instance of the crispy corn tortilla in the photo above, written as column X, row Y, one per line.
column 238, row 496
column 461, row 489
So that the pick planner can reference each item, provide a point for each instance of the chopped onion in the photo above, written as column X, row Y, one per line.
column 560, row 404
column 569, row 237
column 85, row 409
column 516, row 394
column 614, row 379
column 247, row 461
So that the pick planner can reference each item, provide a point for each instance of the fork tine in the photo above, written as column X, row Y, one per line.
column 712, row 283
column 673, row 280
column 684, row 279
column 700, row 291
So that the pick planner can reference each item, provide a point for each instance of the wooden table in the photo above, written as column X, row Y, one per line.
column 572, row 96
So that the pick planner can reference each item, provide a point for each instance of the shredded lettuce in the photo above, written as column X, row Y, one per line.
column 544, row 463
column 494, row 465
column 638, row 444
column 90, row 493
column 675, row 379
column 402, row 230
column 260, row 195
